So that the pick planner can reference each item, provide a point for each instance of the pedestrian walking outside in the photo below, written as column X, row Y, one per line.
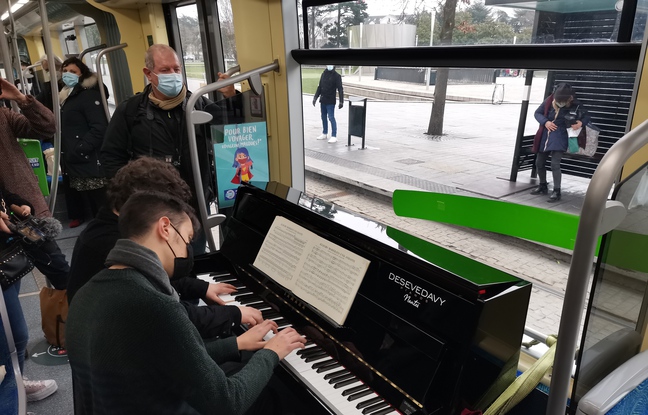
column 329, row 83
column 559, row 112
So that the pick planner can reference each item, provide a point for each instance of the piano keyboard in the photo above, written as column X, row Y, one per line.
column 332, row 383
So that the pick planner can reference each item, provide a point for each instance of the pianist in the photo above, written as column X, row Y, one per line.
column 101, row 234
column 132, row 348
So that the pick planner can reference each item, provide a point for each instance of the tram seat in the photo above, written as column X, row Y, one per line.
column 624, row 391
column 34, row 153
column 12, row 391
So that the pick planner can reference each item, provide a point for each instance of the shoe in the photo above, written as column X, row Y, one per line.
column 332, row 140
column 75, row 222
column 322, row 137
column 39, row 389
column 542, row 189
column 555, row 196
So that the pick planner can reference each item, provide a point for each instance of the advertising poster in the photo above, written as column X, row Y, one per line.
column 241, row 156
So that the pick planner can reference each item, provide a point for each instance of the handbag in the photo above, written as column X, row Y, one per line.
column 54, row 312
column 14, row 264
column 591, row 142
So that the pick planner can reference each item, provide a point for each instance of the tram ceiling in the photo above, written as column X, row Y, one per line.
column 132, row 4
column 592, row 56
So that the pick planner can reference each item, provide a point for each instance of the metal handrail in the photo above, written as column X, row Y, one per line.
column 14, row 43
column 589, row 230
column 193, row 118
column 231, row 71
column 102, row 91
column 56, row 108
column 92, row 49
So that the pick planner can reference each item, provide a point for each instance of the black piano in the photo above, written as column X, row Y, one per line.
column 429, row 331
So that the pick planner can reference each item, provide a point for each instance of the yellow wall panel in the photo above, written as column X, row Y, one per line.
column 640, row 115
column 259, row 41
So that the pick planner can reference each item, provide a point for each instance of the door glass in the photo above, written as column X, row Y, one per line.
column 191, row 44
column 227, row 33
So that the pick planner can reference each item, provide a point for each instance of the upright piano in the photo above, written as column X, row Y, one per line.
column 429, row 331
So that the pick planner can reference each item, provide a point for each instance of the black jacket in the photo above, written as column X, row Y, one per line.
column 88, row 258
column 45, row 96
column 83, row 125
column 140, row 128
column 330, row 81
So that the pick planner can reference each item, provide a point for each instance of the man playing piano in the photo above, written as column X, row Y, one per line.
column 131, row 346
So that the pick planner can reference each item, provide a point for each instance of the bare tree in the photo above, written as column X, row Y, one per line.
column 435, row 127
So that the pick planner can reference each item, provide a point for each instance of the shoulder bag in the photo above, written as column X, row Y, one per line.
column 14, row 264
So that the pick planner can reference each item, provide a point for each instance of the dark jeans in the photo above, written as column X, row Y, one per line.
column 556, row 157
column 76, row 201
column 328, row 110
column 49, row 260
column 17, row 321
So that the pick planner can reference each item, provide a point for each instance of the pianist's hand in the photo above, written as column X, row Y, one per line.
column 285, row 342
column 250, row 316
column 253, row 339
column 214, row 290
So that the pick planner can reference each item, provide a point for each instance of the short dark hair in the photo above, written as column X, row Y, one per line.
column 563, row 92
column 146, row 173
column 143, row 209
column 85, row 71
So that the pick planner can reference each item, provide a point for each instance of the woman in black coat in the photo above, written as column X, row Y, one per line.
column 83, row 125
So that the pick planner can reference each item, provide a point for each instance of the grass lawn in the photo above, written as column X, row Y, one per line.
column 195, row 70
column 310, row 80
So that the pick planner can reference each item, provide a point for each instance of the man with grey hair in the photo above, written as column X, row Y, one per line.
column 153, row 123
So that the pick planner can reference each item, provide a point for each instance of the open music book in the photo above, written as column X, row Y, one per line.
column 314, row 269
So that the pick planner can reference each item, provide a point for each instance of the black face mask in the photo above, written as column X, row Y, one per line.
column 182, row 266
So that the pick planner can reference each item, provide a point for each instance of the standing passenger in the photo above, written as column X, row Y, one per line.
column 132, row 348
column 329, row 83
column 153, row 123
column 83, row 125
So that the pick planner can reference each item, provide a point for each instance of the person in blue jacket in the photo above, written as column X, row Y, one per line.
column 560, row 111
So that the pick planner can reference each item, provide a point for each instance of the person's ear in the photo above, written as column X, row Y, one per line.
column 163, row 227
column 147, row 73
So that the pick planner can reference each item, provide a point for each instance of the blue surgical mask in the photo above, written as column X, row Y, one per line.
column 330, row 67
column 70, row 79
column 170, row 84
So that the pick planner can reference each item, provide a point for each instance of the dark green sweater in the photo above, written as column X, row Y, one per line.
column 133, row 350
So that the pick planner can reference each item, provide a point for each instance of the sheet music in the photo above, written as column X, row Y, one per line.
column 314, row 269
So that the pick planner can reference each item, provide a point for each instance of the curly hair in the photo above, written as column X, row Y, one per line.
column 146, row 173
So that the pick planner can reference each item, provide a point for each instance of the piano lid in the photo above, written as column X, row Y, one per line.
column 471, row 270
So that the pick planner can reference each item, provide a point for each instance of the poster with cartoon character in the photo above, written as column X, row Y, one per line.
column 241, row 156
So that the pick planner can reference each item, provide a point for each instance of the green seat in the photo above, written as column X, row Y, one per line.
column 34, row 153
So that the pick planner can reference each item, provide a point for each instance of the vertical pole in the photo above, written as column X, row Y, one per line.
column 6, row 57
column 432, row 21
column 360, row 67
column 521, row 125
column 47, row 43
column 14, row 44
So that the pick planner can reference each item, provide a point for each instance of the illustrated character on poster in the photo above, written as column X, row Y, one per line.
column 243, row 164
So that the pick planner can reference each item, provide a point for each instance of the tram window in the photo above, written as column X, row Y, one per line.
column 192, row 47
column 382, row 24
column 227, row 33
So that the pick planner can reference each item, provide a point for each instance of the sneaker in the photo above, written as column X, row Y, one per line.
column 322, row 137
column 332, row 140
column 39, row 389
column 75, row 222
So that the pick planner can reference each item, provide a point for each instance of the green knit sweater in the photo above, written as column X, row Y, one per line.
column 133, row 350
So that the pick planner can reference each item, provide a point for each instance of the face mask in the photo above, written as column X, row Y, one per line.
column 170, row 84
column 182, row 266
column 70, row 79
column 329, row 67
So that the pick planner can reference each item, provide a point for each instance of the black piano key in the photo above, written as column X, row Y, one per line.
column 224, row 278
column 308, row 343
column 384, row 411
column 269, row 314
column 369, row 402
column 334, row 374
column 359, row 395
column 371, row 409
column 281, row 321
column 336, row 380
column 344, row 383
column 220, row 274
column 250, row 299
column 355, row 390
column 314, row 357
column 329, row 367
column 242, row 291
column 323, row 363
column 259, row 306
column 309, row 351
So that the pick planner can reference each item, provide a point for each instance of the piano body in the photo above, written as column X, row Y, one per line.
column 429, row 331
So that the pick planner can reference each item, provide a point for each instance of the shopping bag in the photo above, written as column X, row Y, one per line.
column 54, row 312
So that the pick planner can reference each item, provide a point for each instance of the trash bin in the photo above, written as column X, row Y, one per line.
column 32, row 149
column 357, row 118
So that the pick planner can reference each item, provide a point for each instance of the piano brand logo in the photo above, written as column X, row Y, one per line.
column 416, row 292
